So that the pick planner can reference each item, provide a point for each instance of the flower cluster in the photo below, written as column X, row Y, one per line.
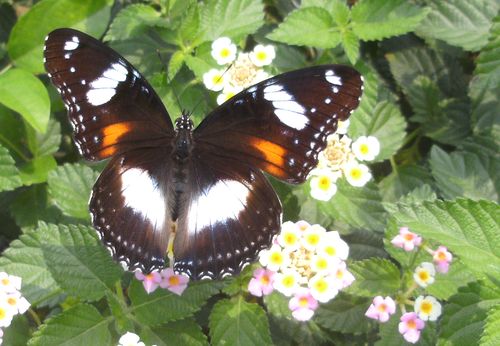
column 166, row 278
column 426, row 308
column 11, row 300
column 342, row 157
column 240, row 70
column 305, row 263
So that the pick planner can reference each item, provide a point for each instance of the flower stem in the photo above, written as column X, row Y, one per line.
column 34, row 316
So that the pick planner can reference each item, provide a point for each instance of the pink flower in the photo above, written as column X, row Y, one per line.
column 442, row 258
column 173, row 282
column 150, row 281
column 343, row 277
column 303, row 305
column 406, row 239
column 410, row 326
column 381, row 309
column 262, row 282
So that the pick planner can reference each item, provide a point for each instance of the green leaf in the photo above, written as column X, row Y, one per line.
column 69, row 187
column 164, row 306
column 189, row 30
column 24, row 258
column 462, row 174
column 175, row 64
column 488, row 62
column 79, row 325
column 359, row 207
column 133, row 20
column 379, row 19
column 78, row 261
column 464, row 317
column 18, row 333
column 364, row 244
column 27, row 37
column 13, row 133
column 344, row 315
column 386, row 124
column 232, row 18
column 374, row 276
column 491, row 335
column 468, row 228
column 310, row 26
column 9, row 174
column 351, row 46
column 32, row 205
column 26, row 94
column 403, row 180
column 447, row 285
column 46, row 143
column 119, row 309
column 236, row 322
column 184, row 332
column 37, row 170
column 460, row 23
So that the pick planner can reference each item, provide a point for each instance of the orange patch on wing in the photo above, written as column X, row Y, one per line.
column 274, row 155
column 112, row 133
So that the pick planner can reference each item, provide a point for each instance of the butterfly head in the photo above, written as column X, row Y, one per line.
column 184, row 122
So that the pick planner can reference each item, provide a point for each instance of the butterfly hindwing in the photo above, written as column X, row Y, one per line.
column 231, row 213
column 281, row 124
column 111, row 106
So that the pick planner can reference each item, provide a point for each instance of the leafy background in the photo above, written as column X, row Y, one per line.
column 432, row 72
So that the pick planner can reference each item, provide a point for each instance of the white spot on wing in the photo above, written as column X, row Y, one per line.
column 141, row 193
column 332, row 78
column 97, row 97
column 221, row 201
column 103, row 88
column 295, row 120
column 73, row 44
column 288, row 111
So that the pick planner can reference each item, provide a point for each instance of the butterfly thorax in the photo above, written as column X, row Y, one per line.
column 183, row 140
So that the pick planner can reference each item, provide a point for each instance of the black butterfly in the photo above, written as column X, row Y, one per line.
column 204, row 188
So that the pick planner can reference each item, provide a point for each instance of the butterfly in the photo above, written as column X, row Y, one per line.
column 198, row 191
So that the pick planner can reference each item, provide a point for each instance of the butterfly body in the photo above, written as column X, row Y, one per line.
column 201, row 189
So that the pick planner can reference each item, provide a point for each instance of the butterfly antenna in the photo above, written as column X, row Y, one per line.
column 164, row 64
column 218, row 80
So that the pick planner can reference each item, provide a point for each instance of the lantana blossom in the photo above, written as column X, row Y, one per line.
column 262, row 282
column 427, row 308
column 150, row 281
column 381, row 308
column 322, row 184
column 303, row 305
column 357, row 174
column 223, row 50
column 262, row 55
column 366, row 148
column 406, row 240
column 175, row 283
column 410, row 327
column 130, row 339
column 424, row 274
column 442, row 258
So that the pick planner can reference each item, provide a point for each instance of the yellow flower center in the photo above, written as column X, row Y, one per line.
column 261, row 55
column 290, row 238
column 5, row 281
column 321, row 263
column 408, row 236
column 423, row 275
column 303, row 302
column 330, row 250
column 11, row 301
column 426, row 307
column 324, row 183
column 217, row 79
column 364, row 149
column 356, row 173
column 3, row 314
column 276, row 258
column 149, row 277
column 339, row 274
column 321, row 286
column 382, row 307
column 173, row 280
column 411, row 324
column 313, row 239
column 288, row 281
column 225, row 52
column 264, row 280
column 441, row 256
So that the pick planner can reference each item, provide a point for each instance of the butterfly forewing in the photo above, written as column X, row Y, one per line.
column 111, row 107
column 281, row 124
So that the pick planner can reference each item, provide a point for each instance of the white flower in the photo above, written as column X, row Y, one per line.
column 9, row 283
column 18, row 303
column 223, row 50
column 342, row 277
column 289, row 237
column 366, row 148
column 424, row 274
column 332, row 245
column 323, row 264
column 6, row 313
column 228, row 92
column 323, row 184
column 311, row 237
column 214, row 80
column 357, row 174
column 337, row 153
column 342, row 127
column 323, row 288
column 287, row 282
column 130, row 339
column 262, row 55
column 274, row 259
column 427, row 308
